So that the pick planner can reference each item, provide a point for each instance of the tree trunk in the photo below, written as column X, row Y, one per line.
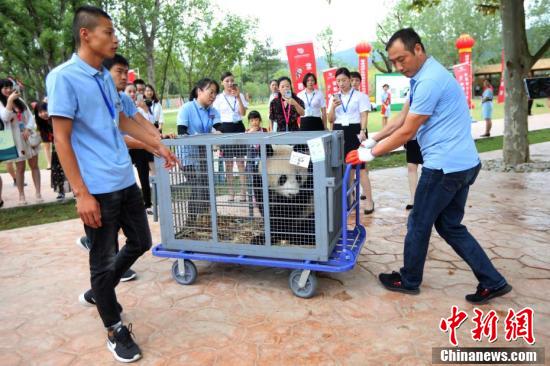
column 518, row 63
column 150, row 59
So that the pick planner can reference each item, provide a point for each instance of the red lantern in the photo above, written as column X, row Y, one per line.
column 464, row 43
column 363, row 50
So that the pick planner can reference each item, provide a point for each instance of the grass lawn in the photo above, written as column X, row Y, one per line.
column 12, row 218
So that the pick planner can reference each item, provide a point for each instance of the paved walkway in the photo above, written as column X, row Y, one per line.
column 237, row 315
column 11, row 196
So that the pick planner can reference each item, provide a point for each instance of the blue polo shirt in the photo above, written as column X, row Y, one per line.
column 197, row 118
column 445, row 139
column 74, row 92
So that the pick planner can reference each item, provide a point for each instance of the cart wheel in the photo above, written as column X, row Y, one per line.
column 310, row 286
column 190, row 273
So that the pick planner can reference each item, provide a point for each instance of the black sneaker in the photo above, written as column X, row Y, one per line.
column 128, row 276
column 60, row 196
column 87, row 299
column 84, row 243
column 393, row 282
column 122, row 344
column 483, row 295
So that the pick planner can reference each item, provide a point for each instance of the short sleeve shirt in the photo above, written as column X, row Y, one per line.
column 228, row 107
column 353, row 104
column 313, row 102
column 74, row 92
column 445, row 139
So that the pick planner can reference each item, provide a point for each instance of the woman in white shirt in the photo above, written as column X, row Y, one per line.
column 348, row 111
column 155, row 106
column 231, row 104
column 17, row 117
column 315, row 117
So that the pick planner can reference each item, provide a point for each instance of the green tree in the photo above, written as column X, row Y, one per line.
column 262, row 63
column 519, row 60
column 207, row 47
column 36, row 36
column 328, row 44
column 439, row 26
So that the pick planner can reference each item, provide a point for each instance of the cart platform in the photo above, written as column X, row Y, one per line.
column 343, row 257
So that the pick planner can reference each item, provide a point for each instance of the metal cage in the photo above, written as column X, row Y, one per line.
column 273, row 195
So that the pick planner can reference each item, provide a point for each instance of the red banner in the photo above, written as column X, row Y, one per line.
column 301, row 60
column 331, row 87
column 364, row 71
column 466, row 58
column 501, row 88
column 463, row 73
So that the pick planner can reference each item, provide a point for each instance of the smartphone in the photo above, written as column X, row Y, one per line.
column 336, row 97
column 17, row 88
column 235, row 86
column 288, row 94
column 139, row 97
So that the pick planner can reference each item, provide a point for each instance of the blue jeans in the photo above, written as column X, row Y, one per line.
column 439, row 200
column 121, row 209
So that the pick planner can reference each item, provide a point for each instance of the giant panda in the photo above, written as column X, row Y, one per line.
column 290, row 192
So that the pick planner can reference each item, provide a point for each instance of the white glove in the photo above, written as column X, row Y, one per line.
column 369, row 143
column 365, row 155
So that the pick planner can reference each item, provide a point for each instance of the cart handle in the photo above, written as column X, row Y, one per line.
column 346, row 191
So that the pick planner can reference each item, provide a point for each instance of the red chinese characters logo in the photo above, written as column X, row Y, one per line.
column 516, row 325
column 485, row 325
column 520, row 325
column 452, row 323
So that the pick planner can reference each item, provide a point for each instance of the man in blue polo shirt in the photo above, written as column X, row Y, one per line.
column 438, row 115
column 87, row 118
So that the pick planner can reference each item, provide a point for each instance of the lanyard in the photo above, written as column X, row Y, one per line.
column 307, row 98
column 106, row 100
column 345, row 108
column 411, row 92
column 234, row 103
column 204, row 126
column 285, row 113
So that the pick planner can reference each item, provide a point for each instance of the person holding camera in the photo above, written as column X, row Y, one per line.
column 16, row 115
column 348, row 111
column 487, row 106
column 155, row 106
column 315, row 116
column 285, row 110
column 232, row 105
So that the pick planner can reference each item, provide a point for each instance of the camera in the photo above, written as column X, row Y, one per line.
column 288, row 94
column 149, row 103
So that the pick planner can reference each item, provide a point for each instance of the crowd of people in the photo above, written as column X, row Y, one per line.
column 98, row 125
column 31, row 129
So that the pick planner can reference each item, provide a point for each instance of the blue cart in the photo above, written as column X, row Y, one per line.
column 302, row 280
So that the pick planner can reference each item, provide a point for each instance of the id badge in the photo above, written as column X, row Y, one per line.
column 236, row 117
column 309, row 112
column 344, row 121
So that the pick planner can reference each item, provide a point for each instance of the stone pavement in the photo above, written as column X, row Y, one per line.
column 237, row 315
column 11, row 196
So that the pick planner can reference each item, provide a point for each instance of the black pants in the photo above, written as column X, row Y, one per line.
column 140, row 158
column 121, row 209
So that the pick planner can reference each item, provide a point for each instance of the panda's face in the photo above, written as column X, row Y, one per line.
column 286, row 184
column 284, row 178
